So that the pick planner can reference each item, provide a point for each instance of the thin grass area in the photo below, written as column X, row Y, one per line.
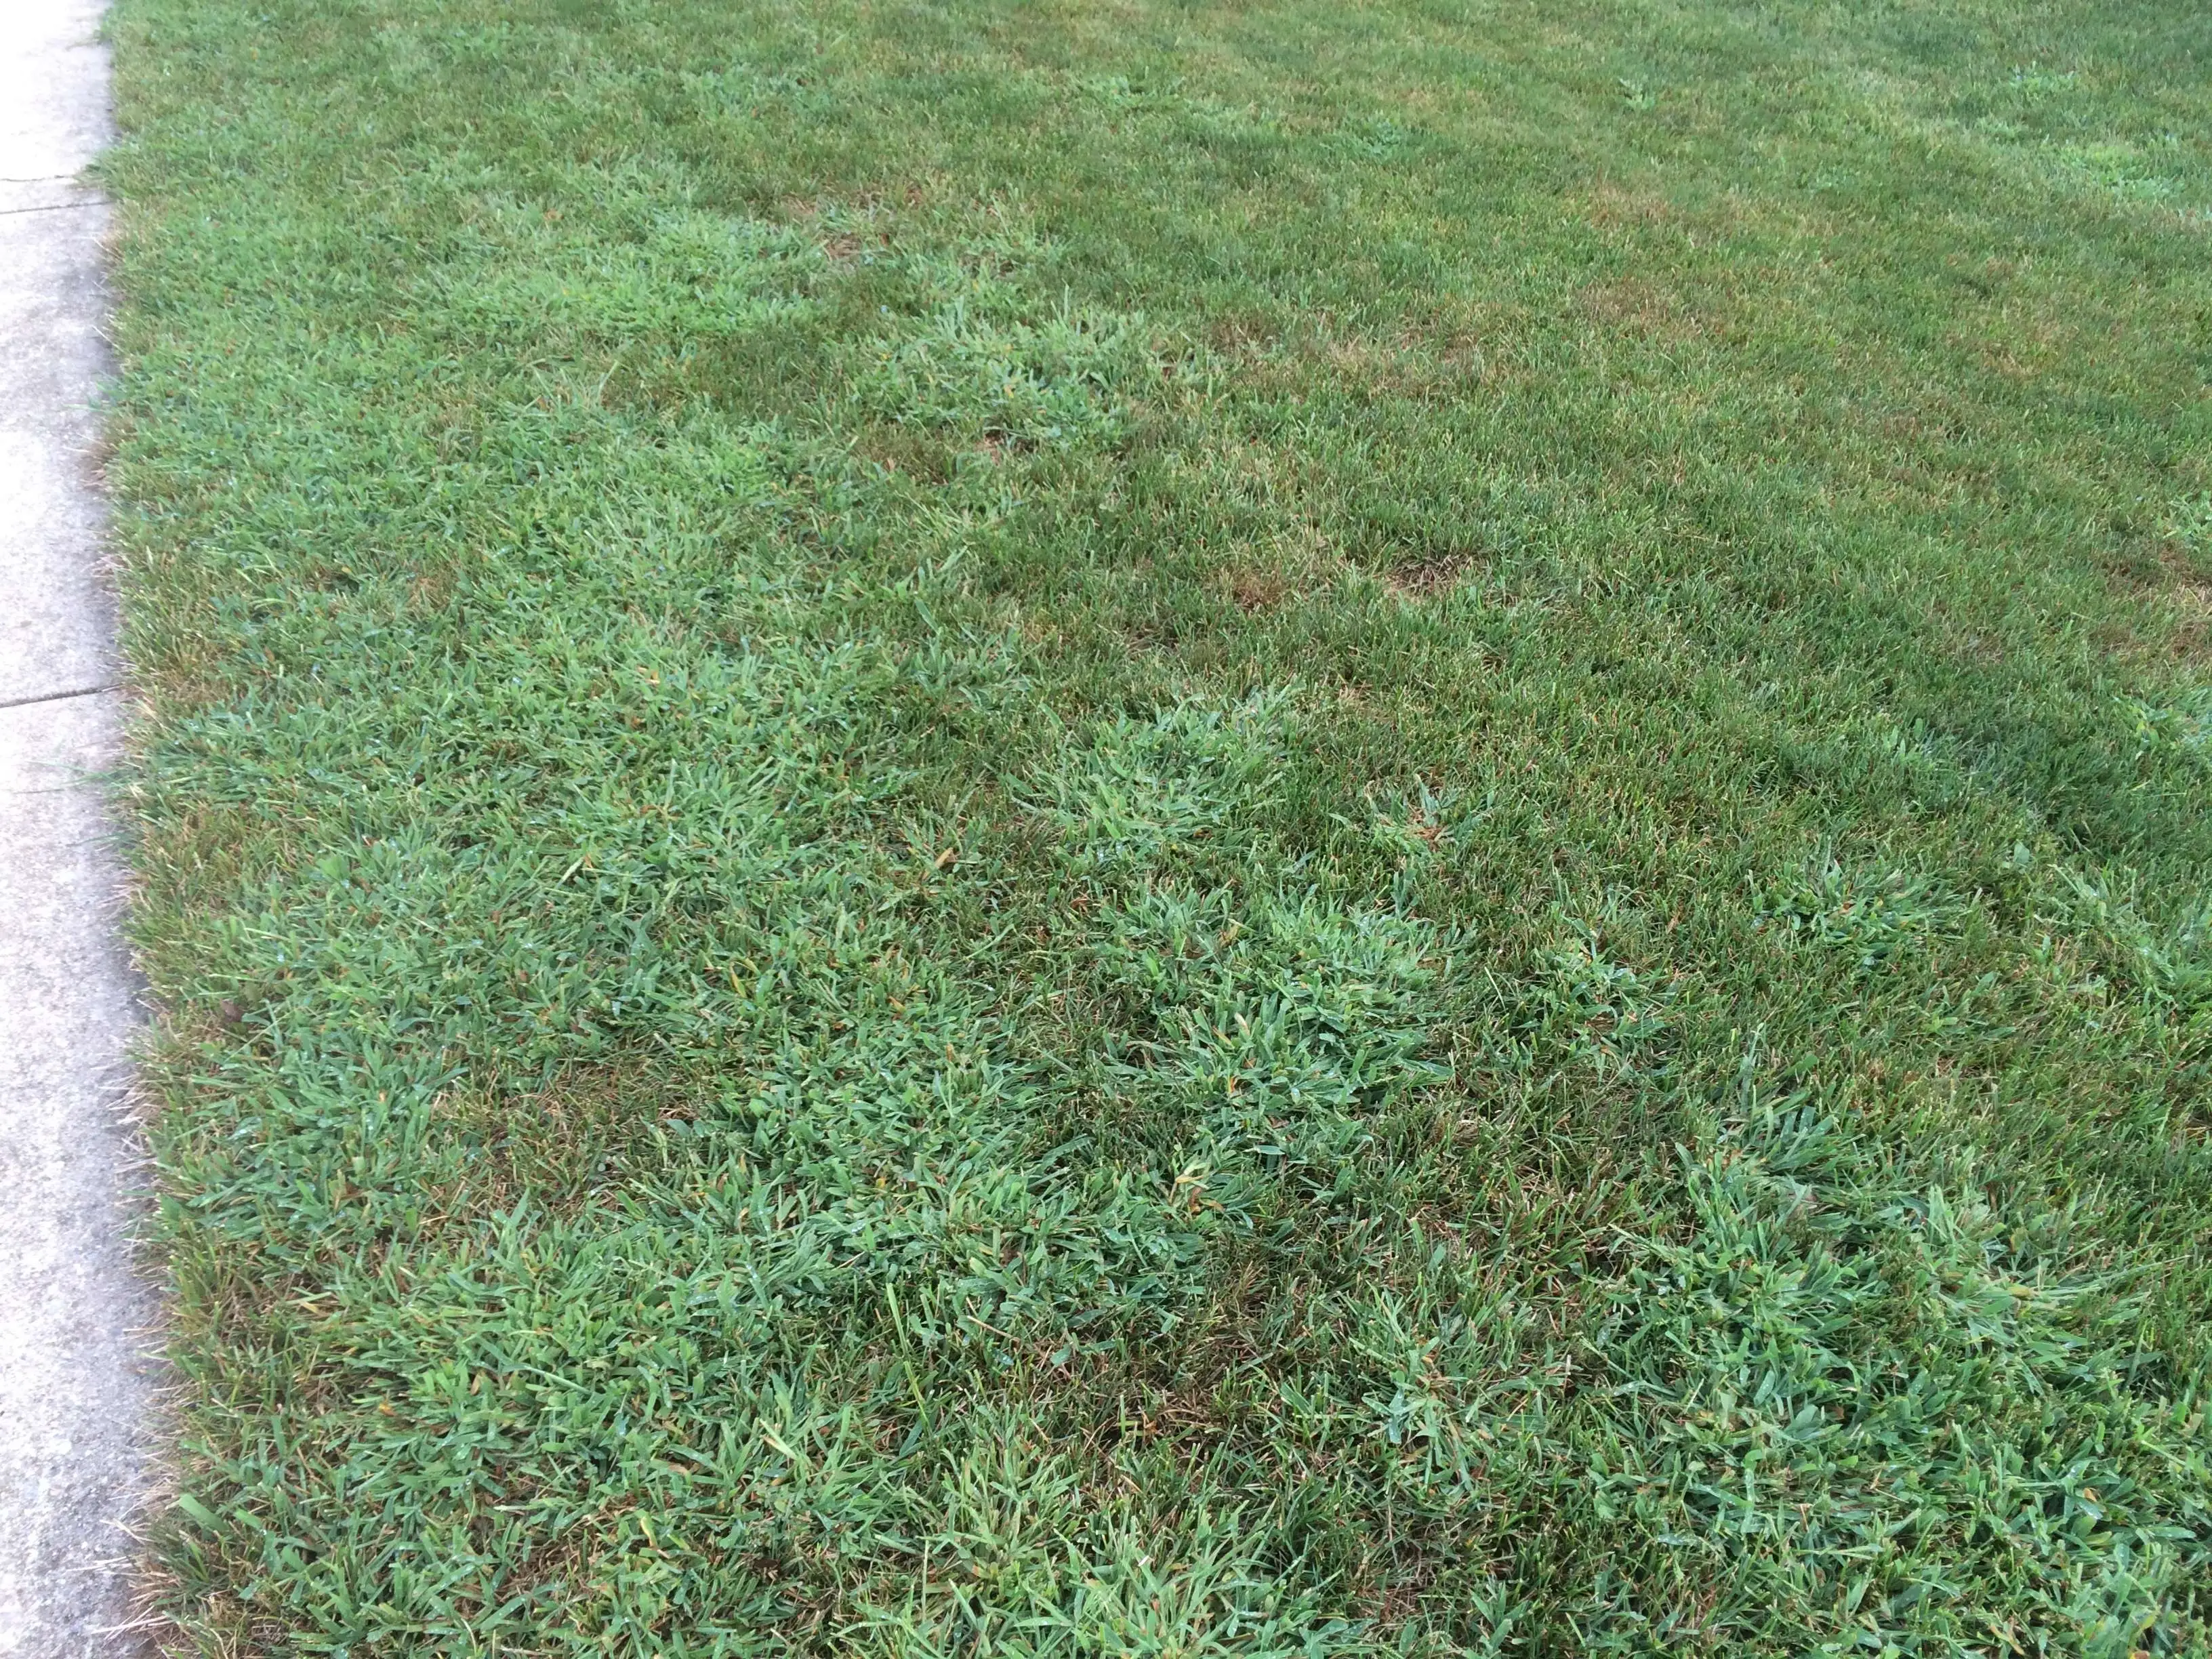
column 1270, row 829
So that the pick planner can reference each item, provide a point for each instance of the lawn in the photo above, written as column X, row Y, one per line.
column 1151, row 828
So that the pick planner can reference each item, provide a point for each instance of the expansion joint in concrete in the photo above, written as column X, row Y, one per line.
column 57, row 696
column 58, row 207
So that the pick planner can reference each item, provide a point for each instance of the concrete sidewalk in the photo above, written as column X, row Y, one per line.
column 74, row 1318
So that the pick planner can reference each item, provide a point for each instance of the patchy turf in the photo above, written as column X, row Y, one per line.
column 1157, row 828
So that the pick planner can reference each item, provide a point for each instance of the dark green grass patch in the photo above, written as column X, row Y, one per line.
column 1173, row 829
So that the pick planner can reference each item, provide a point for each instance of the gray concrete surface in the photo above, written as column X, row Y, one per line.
column 75, row 1321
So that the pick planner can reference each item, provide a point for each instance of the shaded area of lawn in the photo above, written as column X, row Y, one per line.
column 1159, row 829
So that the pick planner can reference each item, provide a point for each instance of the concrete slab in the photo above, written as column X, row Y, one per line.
column 53, row 87
column 55, row 627
column 75, row 1321
column 74, row 1316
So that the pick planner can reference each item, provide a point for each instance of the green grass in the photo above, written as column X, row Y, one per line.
column 1152, row 828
